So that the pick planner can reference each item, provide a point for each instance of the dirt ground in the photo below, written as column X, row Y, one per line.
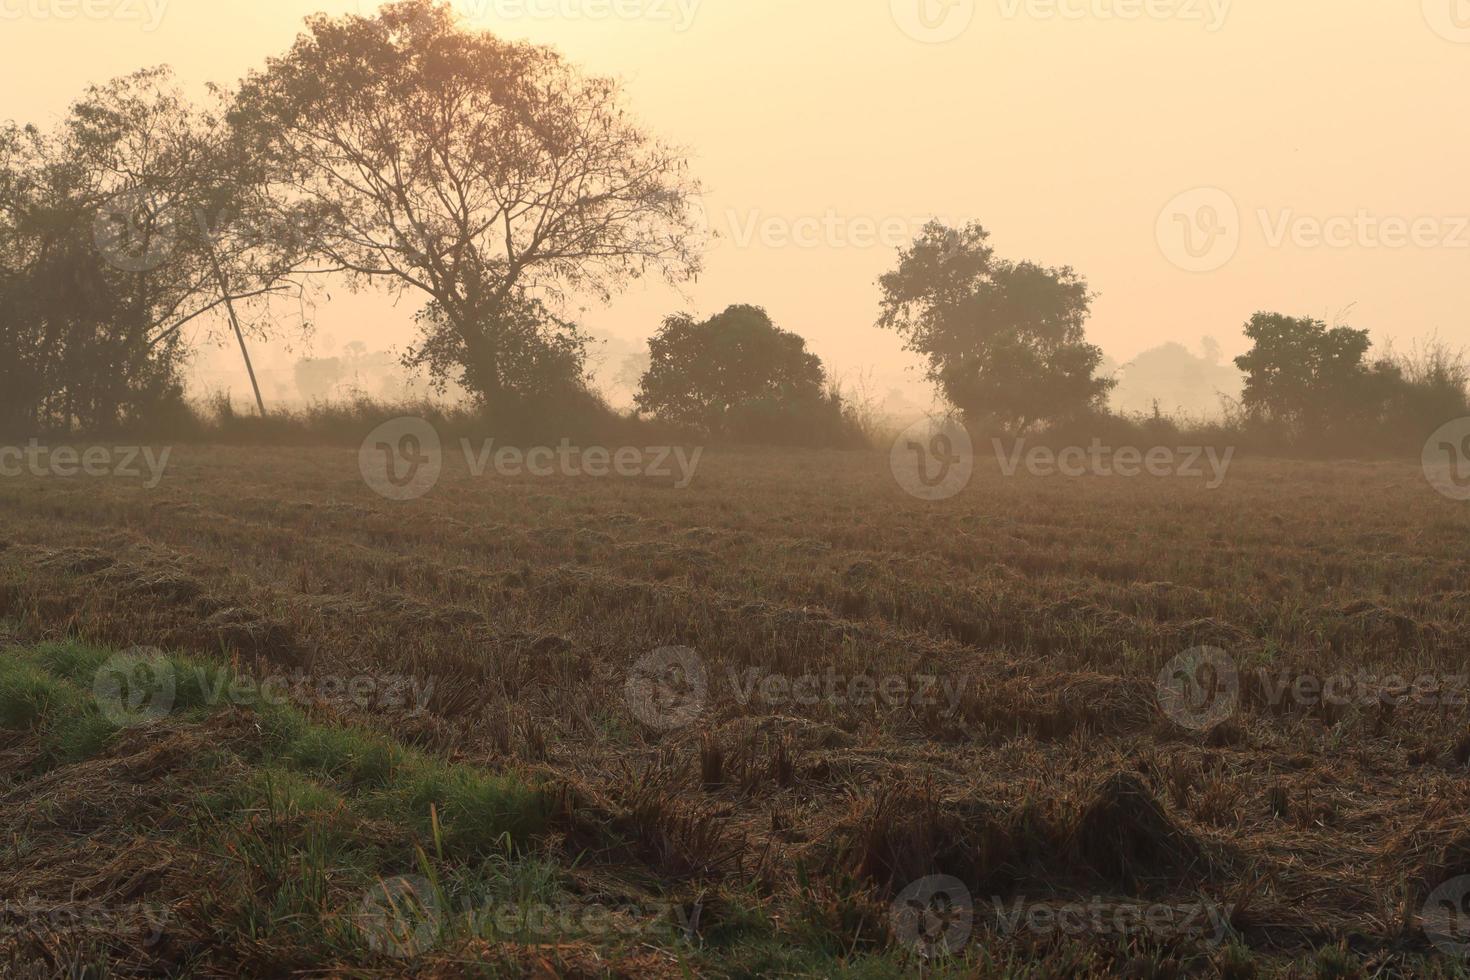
column 1151, row 728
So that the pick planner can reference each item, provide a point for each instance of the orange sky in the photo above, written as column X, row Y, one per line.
column 824, row 129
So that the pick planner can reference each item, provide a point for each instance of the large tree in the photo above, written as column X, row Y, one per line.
column 485, row 173
column 1003, row 339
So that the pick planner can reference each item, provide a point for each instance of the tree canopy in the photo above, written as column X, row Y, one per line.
column 704, row 373
column 117, row 229
column 490, row 175
column 1003, row 339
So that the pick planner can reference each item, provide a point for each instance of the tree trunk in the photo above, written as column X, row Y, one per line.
column 482, row 361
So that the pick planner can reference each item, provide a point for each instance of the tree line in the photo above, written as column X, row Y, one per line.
column 402, row 151
column 493, row 181
column 1005, row 343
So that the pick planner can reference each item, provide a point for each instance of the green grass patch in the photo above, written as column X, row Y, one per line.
column 48, row 690
column 74, row 662
column 355, row 759
column 296, row 816
column 30, row 698
column 477, row 812
column 70, row 725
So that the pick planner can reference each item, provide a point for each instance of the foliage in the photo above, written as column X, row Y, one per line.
column 1312, row 382
column 113, row 237
column 479, row 171
column 1302, row 374
column 1003, row 339
column 541, row 356
column 739, row 375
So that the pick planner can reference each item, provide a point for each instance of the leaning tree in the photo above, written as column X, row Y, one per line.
column 489, row 175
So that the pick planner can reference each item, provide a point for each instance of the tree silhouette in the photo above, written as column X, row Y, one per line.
column 481, row 172
column 1309, row 378
column 708, row 373
column 1002, row 339
column 129, row 221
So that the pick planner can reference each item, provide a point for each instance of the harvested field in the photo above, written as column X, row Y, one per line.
column 873, row 692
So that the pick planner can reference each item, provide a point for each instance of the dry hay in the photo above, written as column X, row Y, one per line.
column 1125, row 835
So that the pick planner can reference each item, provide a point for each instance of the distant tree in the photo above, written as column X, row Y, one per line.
column 1317, row 382
column 1174, row 379
column 1309, row 378
column 479, row 171
column 704, row 373
column 79, row 330
column 1003, row 339
column 317, row 377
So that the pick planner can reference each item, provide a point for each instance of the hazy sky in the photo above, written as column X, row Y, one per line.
column 1314, row 152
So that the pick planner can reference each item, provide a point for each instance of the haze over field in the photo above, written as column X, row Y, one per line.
column 735, row 488
column 826, row 131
